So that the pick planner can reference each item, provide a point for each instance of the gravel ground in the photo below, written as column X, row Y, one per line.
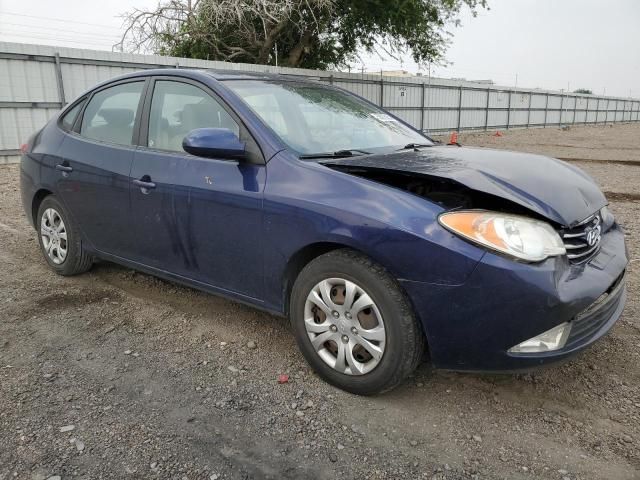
column 116, row 374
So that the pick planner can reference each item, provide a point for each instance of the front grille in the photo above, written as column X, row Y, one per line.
column 583, row 241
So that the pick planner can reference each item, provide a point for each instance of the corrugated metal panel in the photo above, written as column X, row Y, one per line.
column 79, row 78
column 553, row 117
column 402, row 96
column 554, row 102
column 32, row 78
column 441, row 97
column 474, row 99
column 582, row 103
column 410, row 116
column 27, row 81
column 538, row 100
column 440, row 120
column 499, row 99
column 518, row 118
column 498, row 118
column 537, row 117
column 18, row 124
column 473, row 118
column 520, row 100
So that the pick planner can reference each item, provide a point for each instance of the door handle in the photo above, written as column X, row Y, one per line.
column 144, row 185
column 64, row 168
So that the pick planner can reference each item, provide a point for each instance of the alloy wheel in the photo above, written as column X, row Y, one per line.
column 54, row 236
column 345, row 326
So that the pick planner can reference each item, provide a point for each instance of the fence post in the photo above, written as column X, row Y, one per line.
column 561, row 107
column 546, row 108
column 422, row 112
column 597, row 111
column 509, row 111
column 381, row 90
column 486, row 112
column 529, row 109
column 459, row 107
column 575, row 109
column 59, row 81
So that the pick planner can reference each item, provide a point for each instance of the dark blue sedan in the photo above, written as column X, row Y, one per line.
column 307, row 201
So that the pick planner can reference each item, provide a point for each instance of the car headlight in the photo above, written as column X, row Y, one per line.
column 520, row 237
column 607, row 217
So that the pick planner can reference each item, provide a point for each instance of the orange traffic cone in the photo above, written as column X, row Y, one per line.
column 453, row 140
column 497, row 134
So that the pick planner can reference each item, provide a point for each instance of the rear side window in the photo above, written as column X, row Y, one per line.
column 111, row 114
column 69, row 118
column 177, row 108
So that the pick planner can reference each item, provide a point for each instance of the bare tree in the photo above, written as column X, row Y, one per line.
column 230, row 29
column 307, row 33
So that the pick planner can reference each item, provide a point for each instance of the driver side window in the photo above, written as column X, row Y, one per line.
column 177, row 108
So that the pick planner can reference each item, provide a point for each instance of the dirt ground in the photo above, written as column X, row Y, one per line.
column 115, row 374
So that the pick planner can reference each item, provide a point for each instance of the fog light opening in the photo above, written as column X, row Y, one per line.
column 548, row 341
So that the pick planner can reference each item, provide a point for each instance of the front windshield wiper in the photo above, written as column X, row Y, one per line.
column 416, row 145
column 337, row 154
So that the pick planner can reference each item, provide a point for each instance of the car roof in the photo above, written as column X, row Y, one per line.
column 220, row 74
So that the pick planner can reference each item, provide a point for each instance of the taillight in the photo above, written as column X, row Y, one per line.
column 28, row 146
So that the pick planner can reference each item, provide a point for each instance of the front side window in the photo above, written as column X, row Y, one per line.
column 111, row 113
column 315, row 119
column 177, row 108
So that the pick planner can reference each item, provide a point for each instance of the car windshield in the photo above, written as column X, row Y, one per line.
column 313, row 119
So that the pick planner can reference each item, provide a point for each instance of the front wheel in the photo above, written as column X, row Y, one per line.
column 354, row 324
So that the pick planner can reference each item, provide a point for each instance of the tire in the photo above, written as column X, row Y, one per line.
column 75, row 259
column 402, row 345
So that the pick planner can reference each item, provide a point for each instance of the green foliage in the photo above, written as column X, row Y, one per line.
column 306, row 33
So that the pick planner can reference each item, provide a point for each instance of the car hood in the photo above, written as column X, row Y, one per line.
column 549, row 187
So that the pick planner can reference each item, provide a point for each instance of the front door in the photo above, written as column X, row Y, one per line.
column 93, row 168
column 199, row 218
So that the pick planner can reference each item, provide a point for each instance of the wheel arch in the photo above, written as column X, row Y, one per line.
column 306, row 254
column 299, row 260
column 38, row 198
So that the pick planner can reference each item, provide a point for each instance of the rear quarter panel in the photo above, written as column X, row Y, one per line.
column 37, row 167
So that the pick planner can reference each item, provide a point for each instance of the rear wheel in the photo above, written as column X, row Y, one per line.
column 59, row 239
column 354, row 324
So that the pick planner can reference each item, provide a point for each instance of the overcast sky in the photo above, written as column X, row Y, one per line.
column 551, row 44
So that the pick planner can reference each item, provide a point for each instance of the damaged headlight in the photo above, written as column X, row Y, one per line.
column 520, row 237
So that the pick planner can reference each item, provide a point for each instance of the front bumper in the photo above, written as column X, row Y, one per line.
column 472, row 326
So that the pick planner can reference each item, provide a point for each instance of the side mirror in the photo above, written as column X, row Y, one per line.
column 214, row 143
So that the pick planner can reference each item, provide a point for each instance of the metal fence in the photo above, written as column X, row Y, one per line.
column 37, row 80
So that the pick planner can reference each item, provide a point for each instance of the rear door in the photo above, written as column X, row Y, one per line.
column 95, row 162
column 200, row 218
